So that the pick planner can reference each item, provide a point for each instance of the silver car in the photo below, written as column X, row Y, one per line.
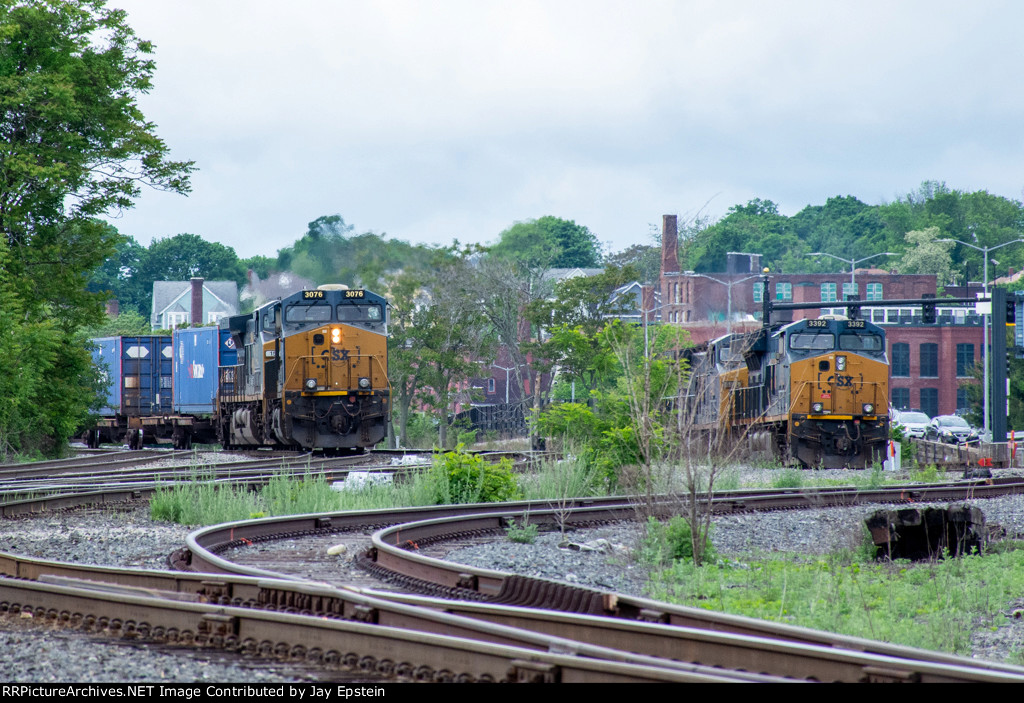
column 913, row 424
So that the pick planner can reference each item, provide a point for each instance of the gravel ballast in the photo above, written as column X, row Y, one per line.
column 37, row 653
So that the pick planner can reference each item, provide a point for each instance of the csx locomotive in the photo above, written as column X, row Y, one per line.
column 814, row 392
column 306, row 371
column 313, row 372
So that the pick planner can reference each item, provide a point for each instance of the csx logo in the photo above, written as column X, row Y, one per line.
column 842, row 381
column 335, row 354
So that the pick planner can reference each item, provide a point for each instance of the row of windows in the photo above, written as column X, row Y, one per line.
column 784, row 291
column 929, row 400
column 929, row 358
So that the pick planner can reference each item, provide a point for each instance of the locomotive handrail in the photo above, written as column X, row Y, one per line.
column 313, row 358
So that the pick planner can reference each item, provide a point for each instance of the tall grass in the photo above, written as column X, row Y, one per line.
column 202, row 502
column 933, row 605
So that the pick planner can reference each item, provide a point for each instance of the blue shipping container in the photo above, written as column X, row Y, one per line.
column 196, row 353
column 107, row 358
column 145, row 376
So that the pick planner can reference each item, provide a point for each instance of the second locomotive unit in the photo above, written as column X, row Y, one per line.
column 312, row 372
column 814, row 391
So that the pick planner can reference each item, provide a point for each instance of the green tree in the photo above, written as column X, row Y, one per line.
column 549, row 242
column 185, row 256
column 646, row 259
column 74, row 146
column 452, row 339
column 129, row 322
column 329, row 252
column 925, row 254
column 756, row 227
column 572, row 322
column 121, row 277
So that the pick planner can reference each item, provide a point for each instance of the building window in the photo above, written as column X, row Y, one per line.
column 900, row 359
column 784, row 291
column 176, row 319
column 873, row 291
column 828, row 292
column 964, row 360
column 901, row 398
column 490, row 385
column 849, row 289
column 962, row 401
column 930, row 361
column 930, row 401
column 759, row 292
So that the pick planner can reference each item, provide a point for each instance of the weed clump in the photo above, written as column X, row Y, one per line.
column 523, row 534
column 666, row 543
column 460, row 477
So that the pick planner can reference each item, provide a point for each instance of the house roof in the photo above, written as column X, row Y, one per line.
column 559, row 275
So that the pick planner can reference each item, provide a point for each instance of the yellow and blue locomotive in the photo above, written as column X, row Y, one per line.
column 815, row 391
column 312, row 372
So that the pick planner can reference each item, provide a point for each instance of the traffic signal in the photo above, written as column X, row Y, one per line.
column 852, row 311
column 928, row 310
column 1011, row 311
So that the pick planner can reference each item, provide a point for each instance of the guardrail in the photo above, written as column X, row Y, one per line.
column 997, row 455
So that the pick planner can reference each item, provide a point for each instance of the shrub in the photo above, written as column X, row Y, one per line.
column 466, row 478
column 523, row 534
column 665, row 543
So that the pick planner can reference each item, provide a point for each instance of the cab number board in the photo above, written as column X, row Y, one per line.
column 312, row 294
column 855, row 324
column 817, row 323
column 355, row 294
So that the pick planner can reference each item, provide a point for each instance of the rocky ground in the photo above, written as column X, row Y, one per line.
column 34, row 653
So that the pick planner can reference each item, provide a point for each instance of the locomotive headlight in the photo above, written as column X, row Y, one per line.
column 840, row 363
column 310, row 384
column 364, row 383
column 335, row 335
column 817, row 407
column 869, row 408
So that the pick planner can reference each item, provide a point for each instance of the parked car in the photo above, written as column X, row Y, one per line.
column 913, row 423
column 951, row 429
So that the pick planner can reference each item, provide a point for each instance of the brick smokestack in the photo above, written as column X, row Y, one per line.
column 669, row 244
column 197, row 301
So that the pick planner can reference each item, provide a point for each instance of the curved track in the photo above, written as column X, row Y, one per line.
column 506, row 630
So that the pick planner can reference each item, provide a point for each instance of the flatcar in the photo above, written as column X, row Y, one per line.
column 308, row 371
column 814, row 392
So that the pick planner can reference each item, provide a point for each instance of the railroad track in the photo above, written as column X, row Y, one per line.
column 630, row 632
column 508, row 628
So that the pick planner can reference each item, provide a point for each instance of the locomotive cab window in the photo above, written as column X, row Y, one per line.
column 359, row 313
column 861, row 341
column 812, row 340
column 308, row 313
column 269, row 318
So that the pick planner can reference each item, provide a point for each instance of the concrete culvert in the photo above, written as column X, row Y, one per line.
column 927, row 533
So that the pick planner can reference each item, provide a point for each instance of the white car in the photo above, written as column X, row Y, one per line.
column 913, row 424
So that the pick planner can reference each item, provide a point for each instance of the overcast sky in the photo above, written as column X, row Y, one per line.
column 434, row 121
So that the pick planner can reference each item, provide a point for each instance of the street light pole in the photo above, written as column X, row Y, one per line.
column 852, row 262
column 984, row 342
column 728, row 286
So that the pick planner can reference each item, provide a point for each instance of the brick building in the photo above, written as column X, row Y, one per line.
column 928, row 362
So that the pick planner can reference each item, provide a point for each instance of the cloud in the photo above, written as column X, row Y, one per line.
column 454, row 119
